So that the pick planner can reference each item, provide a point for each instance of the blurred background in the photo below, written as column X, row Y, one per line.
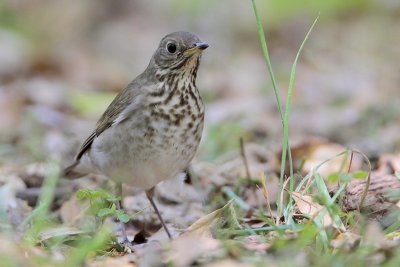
column 63, row 61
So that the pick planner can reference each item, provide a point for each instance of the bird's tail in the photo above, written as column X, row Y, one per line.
column 70, row 172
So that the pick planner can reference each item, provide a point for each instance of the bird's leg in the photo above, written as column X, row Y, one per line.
column 125, row 240
column 150, row 194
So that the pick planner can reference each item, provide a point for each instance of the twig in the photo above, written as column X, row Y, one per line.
column 281, row 201
column 246, row 166
column 364, row 195
column 265, row 193
column 351, row 161
column 263, row 229
column 244, row 158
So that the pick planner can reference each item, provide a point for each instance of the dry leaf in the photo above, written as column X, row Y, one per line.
column 202, row 227
column 198, row 236
column 314, row 151
column 307, row 206
column 188, row 248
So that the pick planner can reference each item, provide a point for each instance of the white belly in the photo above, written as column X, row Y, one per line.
column 126, row 153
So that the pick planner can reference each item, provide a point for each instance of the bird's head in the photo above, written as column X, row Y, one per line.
column 179, row 51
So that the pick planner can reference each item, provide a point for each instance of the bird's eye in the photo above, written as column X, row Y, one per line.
column 171, row 48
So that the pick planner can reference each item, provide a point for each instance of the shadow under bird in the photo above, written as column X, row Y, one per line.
column 151, row 130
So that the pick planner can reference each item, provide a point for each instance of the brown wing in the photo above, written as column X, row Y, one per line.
column 117, row 107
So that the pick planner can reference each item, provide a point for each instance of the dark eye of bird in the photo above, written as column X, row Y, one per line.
column 171, row 48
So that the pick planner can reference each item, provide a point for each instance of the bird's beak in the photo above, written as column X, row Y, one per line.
column 195, row 49
column 201, row 45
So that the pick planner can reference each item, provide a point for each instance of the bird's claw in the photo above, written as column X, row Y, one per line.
column 126, row 246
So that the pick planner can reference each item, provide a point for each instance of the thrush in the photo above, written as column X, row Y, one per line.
column 151, row 130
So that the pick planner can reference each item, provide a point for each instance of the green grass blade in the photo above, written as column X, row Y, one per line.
column 240, row 202
column 287, row 110
column 264, row 47
column 84, row 248
column 327, row 201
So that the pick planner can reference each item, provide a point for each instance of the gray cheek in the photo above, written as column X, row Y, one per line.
column 163, row 60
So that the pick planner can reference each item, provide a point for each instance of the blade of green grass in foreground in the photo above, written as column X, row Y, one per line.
column 264, row 48
column 285, row 148
column 84, row 248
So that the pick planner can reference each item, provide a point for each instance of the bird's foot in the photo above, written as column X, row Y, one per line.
column 126, row 246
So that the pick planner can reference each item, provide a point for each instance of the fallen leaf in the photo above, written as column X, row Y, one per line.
column 311, row 153
column 197, row 235
column 188, row 248
column 308, row 207
column 202, row 227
